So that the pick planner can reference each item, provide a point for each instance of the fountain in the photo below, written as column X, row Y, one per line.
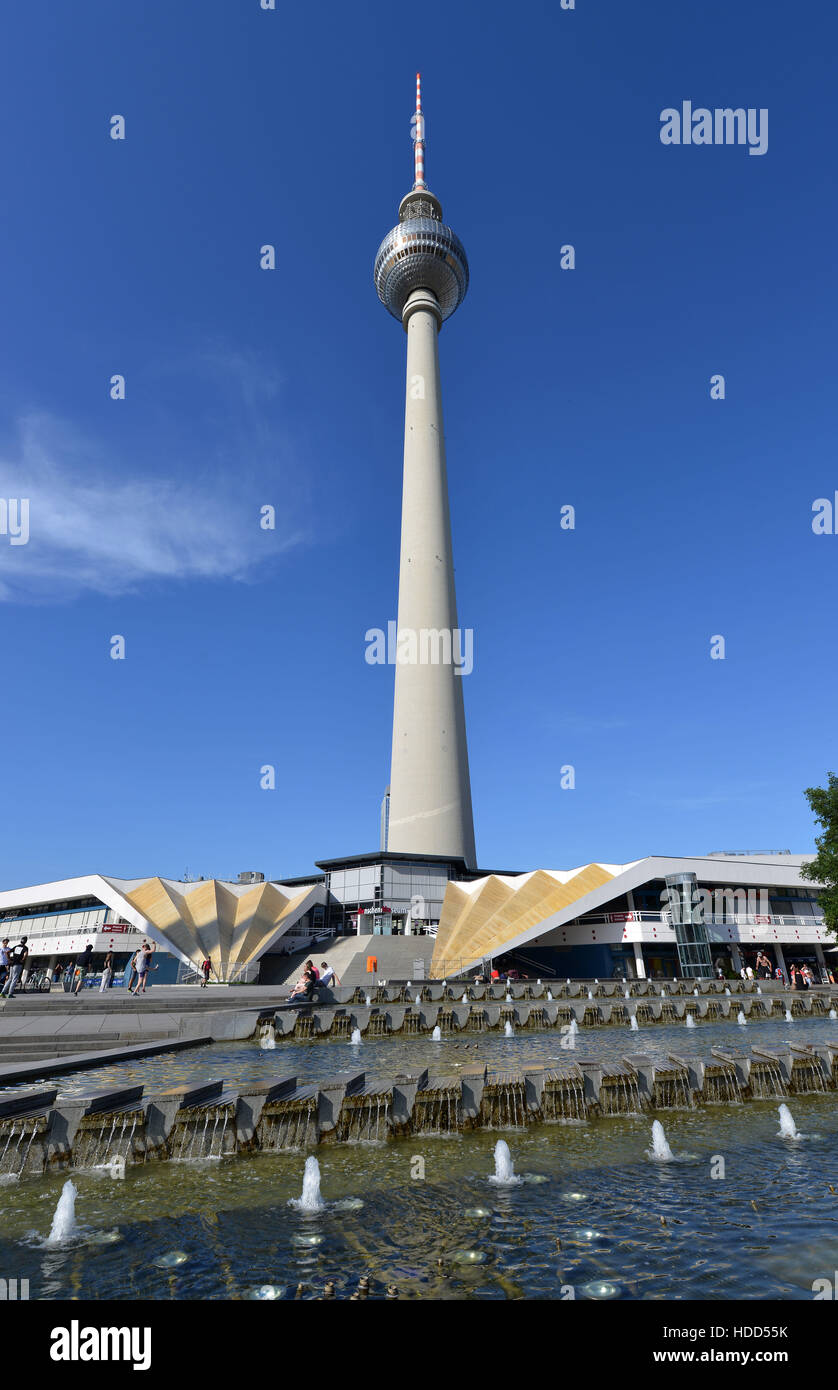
column 364, row 1116
column 833, row 1015
column 660, row 1150
column 436, row 1035
column 788, row 1129
column 550, row 998
column 740, row 1017
column 590, row 996
column 368, row 1000
column 310, row 1200
column 619, row 1093
column 563, row 1097
column 504, row 1173
column 289, row 1123
column 508, row 1030
column 464, row 999
column 689, row 1021
column 418, row 999
column 633, row 1024
column 789, row 1018
column 437, row 1111
column 64, row 1226
column 727, row 991
column 356, row 1036
column 695, row 992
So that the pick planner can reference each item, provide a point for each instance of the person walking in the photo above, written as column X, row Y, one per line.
column 82, row 967
column 107, row 973
column 143, row 966
column 132, row 968
column 18, row 957
column 4, row 961
column 206, row 967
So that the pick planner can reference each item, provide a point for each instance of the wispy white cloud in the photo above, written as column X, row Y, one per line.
column 93, row 527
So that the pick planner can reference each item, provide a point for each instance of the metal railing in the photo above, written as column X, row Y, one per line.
column 741, row 919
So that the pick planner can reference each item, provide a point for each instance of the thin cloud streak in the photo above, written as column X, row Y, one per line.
column 94, row 530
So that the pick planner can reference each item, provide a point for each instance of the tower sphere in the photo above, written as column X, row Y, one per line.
column 421, row 253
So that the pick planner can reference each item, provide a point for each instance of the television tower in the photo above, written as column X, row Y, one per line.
column 421, row 275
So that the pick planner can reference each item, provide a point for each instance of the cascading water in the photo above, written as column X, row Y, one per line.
column 310, row 1200
column 660, row 1150
column 689, row 1021
column 740, row 1017
column 788, row 1129
column 464, row 999
column 356, row 1037
column 267, row 1039
column 436, row 1035
column 633, row 1024
column 64, row 1226
column 833, row 1015
column 550, row 997
column 508, row 1030
column 789, row 1018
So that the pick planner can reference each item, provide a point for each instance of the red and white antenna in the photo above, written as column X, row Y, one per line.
column 417, row 134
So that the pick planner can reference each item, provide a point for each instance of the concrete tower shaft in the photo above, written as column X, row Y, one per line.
column 430, row 789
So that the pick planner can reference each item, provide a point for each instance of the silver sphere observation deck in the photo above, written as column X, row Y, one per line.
column 421, row 253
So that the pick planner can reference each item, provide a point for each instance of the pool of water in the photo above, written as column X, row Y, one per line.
column 382, row 1058
column 740, row 1213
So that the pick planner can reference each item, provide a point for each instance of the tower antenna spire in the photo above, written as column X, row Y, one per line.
column 417, row 133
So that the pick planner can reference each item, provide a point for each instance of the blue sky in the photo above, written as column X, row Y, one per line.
column 246, row 387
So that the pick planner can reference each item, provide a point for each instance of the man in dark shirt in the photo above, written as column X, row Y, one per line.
column 18, row 957
column 82, row 966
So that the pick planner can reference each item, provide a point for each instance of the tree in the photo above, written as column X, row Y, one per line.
column 824, row 867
